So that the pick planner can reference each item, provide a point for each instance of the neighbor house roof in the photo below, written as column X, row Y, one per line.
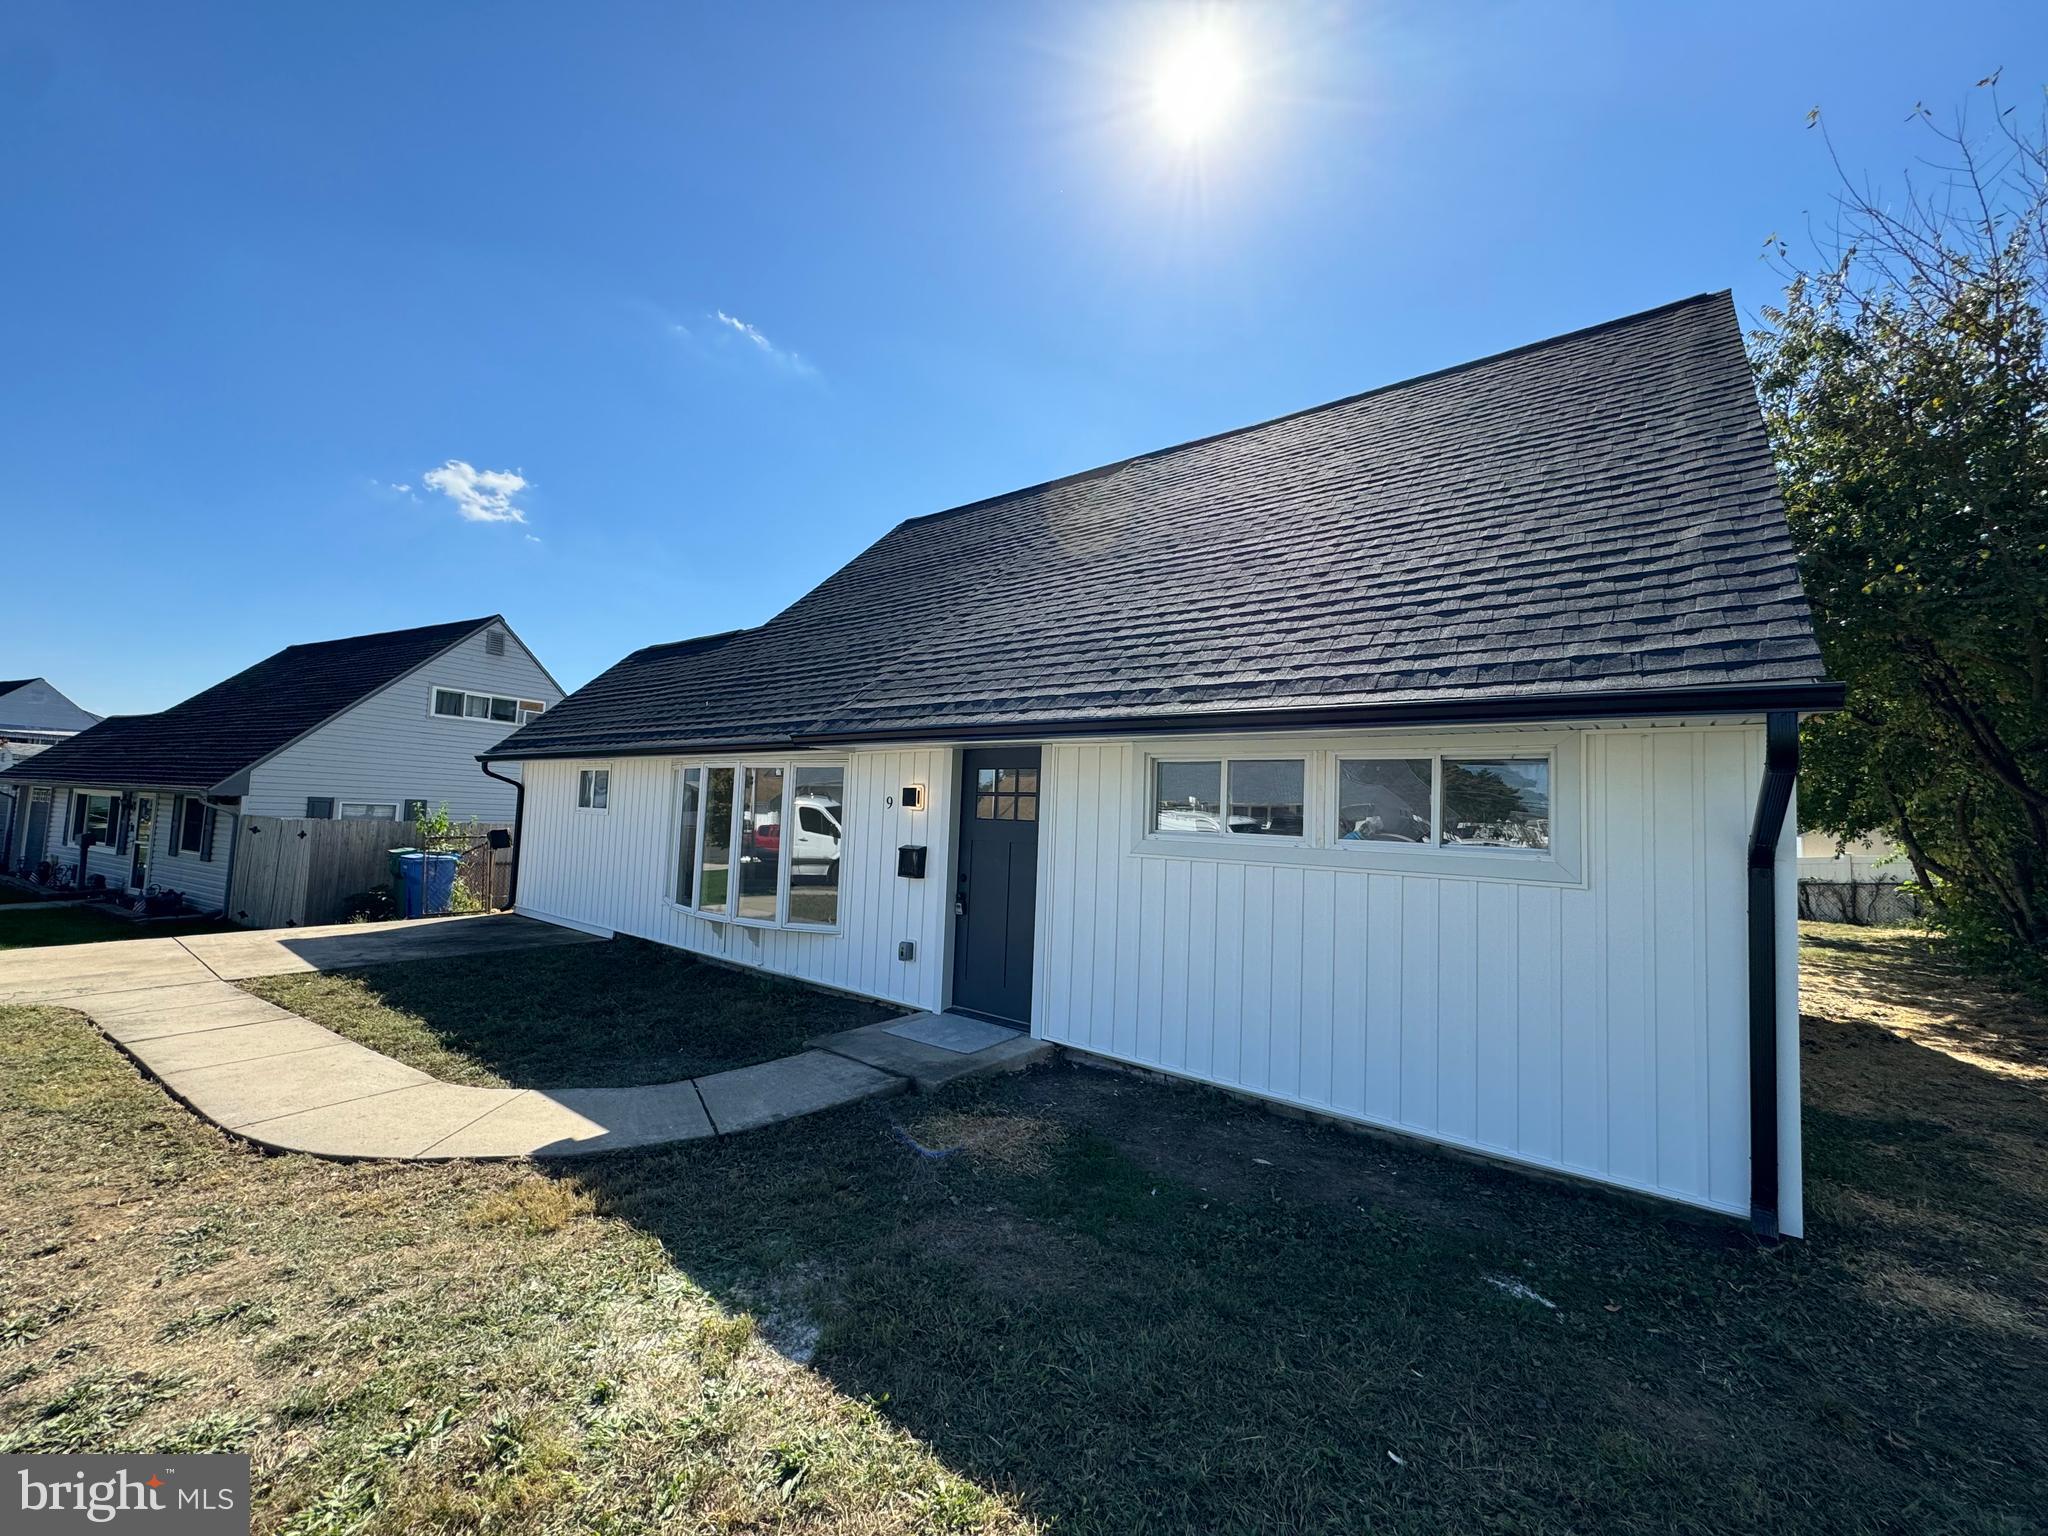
column 31, row 704
column 215, row 735
column 1585, row 525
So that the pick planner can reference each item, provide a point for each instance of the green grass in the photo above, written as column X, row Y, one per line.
column 84, row 925
column 11, row 894
column 1123, row 1307
column 588, row 1016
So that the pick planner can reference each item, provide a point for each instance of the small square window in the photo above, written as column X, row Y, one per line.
column 1267, row 798
column 1187, row 797
column 448, row 701
column 1496, row 802
column 594, row 789
column 1384, row 800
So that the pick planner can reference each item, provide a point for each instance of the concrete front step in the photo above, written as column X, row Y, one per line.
column 911, row 1049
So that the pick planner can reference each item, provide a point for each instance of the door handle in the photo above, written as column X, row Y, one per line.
column 960, row 904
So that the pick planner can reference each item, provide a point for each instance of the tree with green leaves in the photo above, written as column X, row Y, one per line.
column 1905, row 382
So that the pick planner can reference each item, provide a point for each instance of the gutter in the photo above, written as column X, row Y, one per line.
column 1774, row 796
column 518, row 828
column 1636, row 704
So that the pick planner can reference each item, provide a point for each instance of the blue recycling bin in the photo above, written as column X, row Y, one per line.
column 426, row 882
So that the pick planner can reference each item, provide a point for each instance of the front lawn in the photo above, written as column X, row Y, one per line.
column 88, row 925
column 1122, row 1306
column 11, row 894
column 588, row 1016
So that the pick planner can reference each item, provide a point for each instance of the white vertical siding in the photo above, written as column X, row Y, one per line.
column 614, row 869
column 1597, row 1025
column 391, row 748
column 1592, row 1020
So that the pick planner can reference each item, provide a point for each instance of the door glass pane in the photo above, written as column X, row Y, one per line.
column 1187, row 797
column 1266, row 797
column 1497, row 802
column 761, row 843
column 817, row 794
column 1383, row 800
column 713, row 892
column 688, row 817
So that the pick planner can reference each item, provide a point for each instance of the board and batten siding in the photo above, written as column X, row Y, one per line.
column 1591, row 1019
column 1596, row 1026
column 391, row 747
column 615, row 869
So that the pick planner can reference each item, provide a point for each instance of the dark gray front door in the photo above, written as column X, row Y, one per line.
column 997, row 888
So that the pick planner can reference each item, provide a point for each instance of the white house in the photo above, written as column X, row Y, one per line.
column 33, row 715
column 1424, row 759
column 377, row 726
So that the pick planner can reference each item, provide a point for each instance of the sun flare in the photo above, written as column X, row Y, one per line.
column 1198, row 84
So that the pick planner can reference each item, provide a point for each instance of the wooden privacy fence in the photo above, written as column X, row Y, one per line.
column 293, row 872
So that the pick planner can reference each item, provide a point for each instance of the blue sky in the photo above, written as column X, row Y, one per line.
column 710, row 297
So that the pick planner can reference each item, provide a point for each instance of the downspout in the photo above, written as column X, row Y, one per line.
column 1781, row 768
column 518, row 828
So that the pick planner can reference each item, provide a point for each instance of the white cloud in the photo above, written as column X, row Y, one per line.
column 480, row 495
column 782, row 357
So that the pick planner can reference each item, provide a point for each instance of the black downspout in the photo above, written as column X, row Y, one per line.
column 1781, row 768
column 518, row 827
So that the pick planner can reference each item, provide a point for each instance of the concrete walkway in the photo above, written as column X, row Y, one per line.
column 284, row 1082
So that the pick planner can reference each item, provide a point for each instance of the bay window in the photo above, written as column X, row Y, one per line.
column 759, row 843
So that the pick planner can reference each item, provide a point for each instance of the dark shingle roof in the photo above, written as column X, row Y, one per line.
column 9, row 687
column 1593, row 516
column 214, row 735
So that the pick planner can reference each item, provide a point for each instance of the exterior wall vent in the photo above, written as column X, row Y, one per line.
column 494, row 642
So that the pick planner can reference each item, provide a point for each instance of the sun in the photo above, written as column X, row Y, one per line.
column 1198, row 84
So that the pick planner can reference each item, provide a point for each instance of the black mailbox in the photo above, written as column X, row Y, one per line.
column 910, row 862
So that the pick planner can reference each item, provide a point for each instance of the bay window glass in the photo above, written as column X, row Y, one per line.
column 1496, row 802
column 1384, row 800
column 1267, row 797
column 689, row 794
column 713, row 889
column 761, row 839
column 818, row 814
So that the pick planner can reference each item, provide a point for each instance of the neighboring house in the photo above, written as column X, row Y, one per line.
column 378, row 726
column 33, row 715
column 1823, row 857
column 1397, row 759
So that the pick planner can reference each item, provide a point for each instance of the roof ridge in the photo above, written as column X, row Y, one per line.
column 392, row 634
column 1505, row 353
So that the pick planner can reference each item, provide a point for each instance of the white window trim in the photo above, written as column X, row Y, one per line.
column 519, row 716
column 593, row 810
column 341, row 809
column 739, row 766
column 71, row 828
column 1564, row 863
column 1310, row 799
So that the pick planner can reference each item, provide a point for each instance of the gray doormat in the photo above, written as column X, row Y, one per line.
column 952, row 1032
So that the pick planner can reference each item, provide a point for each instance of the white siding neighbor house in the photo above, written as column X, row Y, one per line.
column 1424, row 760
column 381, row 726
column 33, row 716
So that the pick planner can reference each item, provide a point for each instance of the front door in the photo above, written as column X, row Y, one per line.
column 997, row 889
column 145, row 820
column 37, row 831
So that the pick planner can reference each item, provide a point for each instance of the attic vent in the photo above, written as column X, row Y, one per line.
column 494, row 642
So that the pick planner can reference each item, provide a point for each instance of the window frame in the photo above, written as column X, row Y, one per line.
column 341, row 809
column 523, row 710
column 1437, row 758
column 80, row 812
column 590, row 775
column 786, row 806
column 1563, row 863
column 1223, row 760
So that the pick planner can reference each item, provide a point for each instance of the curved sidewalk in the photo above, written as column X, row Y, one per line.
column 272, row 1077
